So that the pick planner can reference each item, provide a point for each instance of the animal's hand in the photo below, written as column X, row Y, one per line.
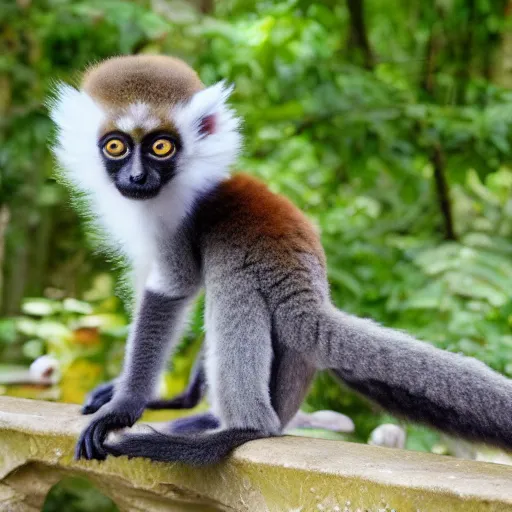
column 118, row 413
column 98, row 397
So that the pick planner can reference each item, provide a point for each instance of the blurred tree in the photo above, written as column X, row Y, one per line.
column 358, row 37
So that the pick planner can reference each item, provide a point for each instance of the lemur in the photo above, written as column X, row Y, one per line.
column 151, row 148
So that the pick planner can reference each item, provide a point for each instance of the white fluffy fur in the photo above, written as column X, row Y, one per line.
column 203, row 162
column 207, row 155
column 79, row 119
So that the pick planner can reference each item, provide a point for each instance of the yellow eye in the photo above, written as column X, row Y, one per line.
column 163, row 148
column 115, row 148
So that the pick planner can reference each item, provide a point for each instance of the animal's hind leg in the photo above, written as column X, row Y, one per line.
column 239, row 358
column 291, row 378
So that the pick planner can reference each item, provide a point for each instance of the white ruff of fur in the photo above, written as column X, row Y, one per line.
column 203, row 162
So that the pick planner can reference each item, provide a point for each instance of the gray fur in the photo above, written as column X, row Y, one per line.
column 447, row 391
column 198, row 449
column 270, row 325
column 148, row 345
column 239, row 354
column 459, row 395
column 173, row 281
column 292, row 375
column 269, row 329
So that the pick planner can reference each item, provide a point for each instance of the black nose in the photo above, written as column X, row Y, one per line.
column 139, row 179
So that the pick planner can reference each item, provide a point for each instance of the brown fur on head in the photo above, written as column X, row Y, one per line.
column 157, row 80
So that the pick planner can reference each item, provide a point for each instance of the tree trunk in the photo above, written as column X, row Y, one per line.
column 207, row 6
column 4, row 222
column 432, row 51
column 443, row 192
column 16, row 264
column 358, row 37
column 502, row 72
column 466, row 54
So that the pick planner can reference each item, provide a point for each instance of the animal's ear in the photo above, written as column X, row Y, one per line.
column 209, row 130
column 204, row 110
column 207, row 124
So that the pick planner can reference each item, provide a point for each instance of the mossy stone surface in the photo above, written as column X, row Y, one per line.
column 289, row 474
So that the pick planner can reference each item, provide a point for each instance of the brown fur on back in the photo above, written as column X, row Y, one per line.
column 244, row 208
column 155, row 79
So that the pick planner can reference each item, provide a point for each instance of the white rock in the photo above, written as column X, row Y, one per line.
column 388, row 435
column 45, row 369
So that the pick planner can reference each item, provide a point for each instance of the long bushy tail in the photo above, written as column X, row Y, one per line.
column 456, row 394
column 198, row 449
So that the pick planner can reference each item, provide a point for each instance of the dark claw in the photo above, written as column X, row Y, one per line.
column 98, row 397
column 85, row 447
column 88, row 441
column 90, row 444
column 87, row 409
column 98, row 436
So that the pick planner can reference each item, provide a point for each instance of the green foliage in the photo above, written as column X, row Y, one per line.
column 87, row 339
column 78, row 495
column 362, row 145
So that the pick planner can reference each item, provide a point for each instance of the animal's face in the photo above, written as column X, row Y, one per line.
column 141, row 165
column 142, row 124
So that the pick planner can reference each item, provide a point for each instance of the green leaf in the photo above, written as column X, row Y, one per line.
column 33, row 349
column 40, row 307
column 77, row 306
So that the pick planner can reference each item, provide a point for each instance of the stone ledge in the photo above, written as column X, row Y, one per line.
column 284, row 474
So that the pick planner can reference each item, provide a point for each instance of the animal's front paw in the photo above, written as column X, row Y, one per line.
column 98, row 397
column 117, row 414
